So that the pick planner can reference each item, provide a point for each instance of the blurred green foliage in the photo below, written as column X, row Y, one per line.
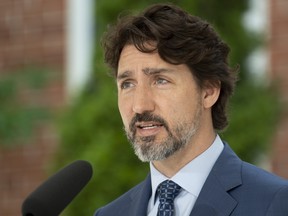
column 91, row 127
column 19, row 110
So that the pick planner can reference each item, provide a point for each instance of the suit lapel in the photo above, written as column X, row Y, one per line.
column 214, row 198
column 140, row 199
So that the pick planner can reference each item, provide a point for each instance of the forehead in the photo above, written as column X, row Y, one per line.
column 131, row 60
column 131, row 53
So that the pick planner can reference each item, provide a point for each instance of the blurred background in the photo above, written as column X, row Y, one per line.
column 57, row 103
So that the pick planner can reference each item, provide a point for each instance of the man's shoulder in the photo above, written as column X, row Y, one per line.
column 264, row 188
column 230, row 168
column 261, row 177
column 249, row 173
column 256, row 191
column 120, row 205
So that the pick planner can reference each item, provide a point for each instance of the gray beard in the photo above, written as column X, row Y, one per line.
column 148, row 150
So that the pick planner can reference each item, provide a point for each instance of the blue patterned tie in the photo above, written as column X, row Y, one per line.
column 167, row 192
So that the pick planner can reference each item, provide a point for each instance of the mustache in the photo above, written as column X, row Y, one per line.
column 146, row 116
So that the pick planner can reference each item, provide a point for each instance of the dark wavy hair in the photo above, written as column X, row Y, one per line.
column 179, row 38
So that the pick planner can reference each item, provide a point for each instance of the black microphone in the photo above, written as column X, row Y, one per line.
column 52, row 196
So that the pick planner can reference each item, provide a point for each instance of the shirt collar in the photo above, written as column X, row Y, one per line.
column 193, row 175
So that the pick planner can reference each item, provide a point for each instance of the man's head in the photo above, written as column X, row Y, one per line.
column 175, row 41
column 179, row 38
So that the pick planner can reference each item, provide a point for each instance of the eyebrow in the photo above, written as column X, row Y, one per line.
column 147, row 71
column 124, row 75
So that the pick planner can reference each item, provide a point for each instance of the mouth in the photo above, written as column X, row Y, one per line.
column 148, row 125
column 148, row 128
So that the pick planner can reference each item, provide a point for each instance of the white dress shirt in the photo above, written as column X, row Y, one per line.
column 191, row 178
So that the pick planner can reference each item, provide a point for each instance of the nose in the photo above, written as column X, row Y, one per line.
column 143, row 100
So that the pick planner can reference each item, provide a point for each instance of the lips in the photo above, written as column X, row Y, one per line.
column 148, row 125
column 148, row 128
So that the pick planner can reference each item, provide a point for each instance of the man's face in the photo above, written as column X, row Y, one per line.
column 160, row 104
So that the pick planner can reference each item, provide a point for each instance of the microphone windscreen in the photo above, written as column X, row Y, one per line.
column 52, row 196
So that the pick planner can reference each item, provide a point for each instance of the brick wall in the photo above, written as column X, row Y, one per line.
column 32, row 32
column 278, row 44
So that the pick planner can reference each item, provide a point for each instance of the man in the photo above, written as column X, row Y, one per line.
column 174, row 83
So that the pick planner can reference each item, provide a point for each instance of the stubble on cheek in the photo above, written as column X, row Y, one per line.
column 155, row 148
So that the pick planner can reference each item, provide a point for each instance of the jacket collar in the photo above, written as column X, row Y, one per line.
column 214, row 198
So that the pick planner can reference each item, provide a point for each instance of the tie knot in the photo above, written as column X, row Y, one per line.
column 168, row 190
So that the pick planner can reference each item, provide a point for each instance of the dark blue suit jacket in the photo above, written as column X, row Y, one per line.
column 233, row 188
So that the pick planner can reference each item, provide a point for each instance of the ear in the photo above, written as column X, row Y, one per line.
column 210, row 95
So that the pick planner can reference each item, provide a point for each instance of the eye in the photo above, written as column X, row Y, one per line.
column 126, row 85
column 161, row 81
